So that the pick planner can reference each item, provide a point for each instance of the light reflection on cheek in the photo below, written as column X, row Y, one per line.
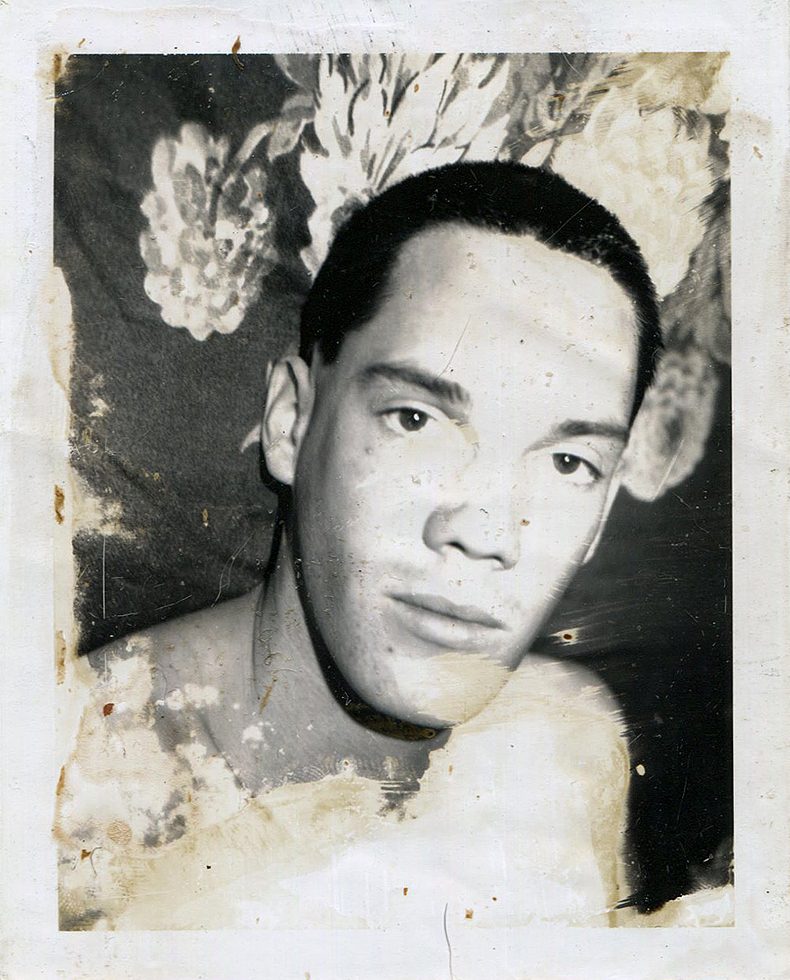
column 416, row 469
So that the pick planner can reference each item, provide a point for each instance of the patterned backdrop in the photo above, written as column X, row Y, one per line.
column 195, row 197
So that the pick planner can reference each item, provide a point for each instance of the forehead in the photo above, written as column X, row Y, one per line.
column 483, row 308
column 495, row 272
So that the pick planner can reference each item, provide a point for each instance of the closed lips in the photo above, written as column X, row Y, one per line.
column 444, row 607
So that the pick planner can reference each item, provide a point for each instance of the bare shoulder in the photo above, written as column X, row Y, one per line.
column 149, row 761
column 563, row 692
column 191, row 678
column 192, row 647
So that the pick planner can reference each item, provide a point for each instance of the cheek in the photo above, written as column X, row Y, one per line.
column 385, row 482
column 355, row 498
column 557, row 530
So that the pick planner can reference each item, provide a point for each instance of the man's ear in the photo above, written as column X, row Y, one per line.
column 289, row 402
column 614, row 486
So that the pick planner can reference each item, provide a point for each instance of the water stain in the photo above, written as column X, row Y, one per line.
column 56, row 317
column 119, row 832
column 658, row 79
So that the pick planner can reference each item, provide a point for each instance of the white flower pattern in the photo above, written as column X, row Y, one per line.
column 209, row 237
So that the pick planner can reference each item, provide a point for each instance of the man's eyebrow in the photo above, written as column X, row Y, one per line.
column 398, row 373
column 575, row 428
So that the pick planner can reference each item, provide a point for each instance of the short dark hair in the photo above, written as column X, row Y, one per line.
column 502, row 196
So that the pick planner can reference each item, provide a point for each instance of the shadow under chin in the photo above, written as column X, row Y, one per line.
column 343, row 692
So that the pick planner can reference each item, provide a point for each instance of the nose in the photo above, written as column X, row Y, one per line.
column 482, row 526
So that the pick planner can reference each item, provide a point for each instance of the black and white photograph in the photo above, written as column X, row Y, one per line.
column 400, row 435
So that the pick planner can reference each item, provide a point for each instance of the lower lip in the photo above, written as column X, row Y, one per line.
column 442, row 630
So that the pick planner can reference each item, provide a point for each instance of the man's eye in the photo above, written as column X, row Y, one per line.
column 407, row 419
column 566, row 464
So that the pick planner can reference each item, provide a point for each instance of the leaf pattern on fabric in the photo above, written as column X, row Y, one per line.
column 380, row 119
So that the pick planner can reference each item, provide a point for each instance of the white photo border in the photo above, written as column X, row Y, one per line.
column 34, row 413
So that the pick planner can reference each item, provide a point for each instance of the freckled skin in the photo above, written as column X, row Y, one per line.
column 488, row 508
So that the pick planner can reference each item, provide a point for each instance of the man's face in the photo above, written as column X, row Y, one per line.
column 458, row 463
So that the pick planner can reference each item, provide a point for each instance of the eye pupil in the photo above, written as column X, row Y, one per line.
column 565, row 463
column 412, row 420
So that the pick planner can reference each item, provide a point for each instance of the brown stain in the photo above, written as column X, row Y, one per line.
column 204, row 516
column 60, row 657
column 405, row 889
column 266, row 695
column 58, row 66
column 757, row 153
column 61, row 782
column 81, row 42
column 416, row 86
column 234, row 53
column 670, row 78
column 60, row 502
column 108, row 709
column 469, row 914
column 119, row 832
column 524, row 522
column 85, row 854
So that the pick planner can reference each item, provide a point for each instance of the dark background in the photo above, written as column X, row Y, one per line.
column 651, row 613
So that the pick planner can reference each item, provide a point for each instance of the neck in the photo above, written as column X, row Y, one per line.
column 319, row 725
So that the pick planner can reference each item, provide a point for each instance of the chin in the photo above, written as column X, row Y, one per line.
column 440, row 691
column 429, row 717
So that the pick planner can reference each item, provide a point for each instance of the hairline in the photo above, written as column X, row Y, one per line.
column 606, row 245
column 386, row 290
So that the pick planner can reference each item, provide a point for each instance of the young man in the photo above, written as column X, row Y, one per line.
column 448, row 445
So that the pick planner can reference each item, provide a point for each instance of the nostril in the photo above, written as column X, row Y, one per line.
column 475, row 533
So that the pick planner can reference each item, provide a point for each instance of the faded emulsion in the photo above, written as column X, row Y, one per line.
column 430, row 484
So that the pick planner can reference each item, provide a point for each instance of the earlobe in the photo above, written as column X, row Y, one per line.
column 611, row 494
column 289, row 402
